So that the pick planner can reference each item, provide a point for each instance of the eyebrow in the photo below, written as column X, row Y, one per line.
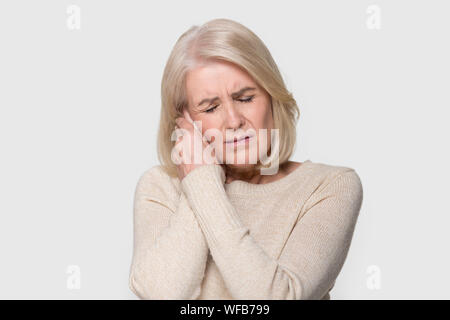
column 233, row 95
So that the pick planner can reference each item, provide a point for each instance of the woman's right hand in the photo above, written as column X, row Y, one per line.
column 186, row 133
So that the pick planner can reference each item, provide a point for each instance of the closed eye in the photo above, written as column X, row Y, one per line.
column 211, row 110
column 247, row 100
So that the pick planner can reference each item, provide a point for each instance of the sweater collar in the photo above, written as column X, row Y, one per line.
column 240, row 187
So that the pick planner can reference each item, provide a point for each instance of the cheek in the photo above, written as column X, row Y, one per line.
column 261, row 117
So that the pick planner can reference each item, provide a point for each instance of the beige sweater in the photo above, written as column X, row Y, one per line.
column 204, row 239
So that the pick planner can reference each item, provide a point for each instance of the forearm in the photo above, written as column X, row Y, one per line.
column 246, row 268
column 168, row 262
column 250, row 273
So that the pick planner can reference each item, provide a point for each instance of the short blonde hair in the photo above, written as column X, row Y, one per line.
column 228, row 40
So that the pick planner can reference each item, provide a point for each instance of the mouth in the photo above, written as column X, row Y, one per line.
column 236, row 140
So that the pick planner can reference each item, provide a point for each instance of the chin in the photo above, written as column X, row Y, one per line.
column 241, row 167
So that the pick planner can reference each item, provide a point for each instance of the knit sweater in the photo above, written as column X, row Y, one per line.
column 202, row 238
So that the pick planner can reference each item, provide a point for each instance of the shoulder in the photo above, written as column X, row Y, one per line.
column 156, row 184
column 334, row 190
column 329, row 180
column 325, row 174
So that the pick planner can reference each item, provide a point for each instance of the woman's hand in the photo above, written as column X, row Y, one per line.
column 186, row 133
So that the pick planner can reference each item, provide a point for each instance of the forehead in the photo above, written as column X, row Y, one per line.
column 214, row 79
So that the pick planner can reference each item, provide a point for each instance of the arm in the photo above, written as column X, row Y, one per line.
column 312, row 257
column 170, row 251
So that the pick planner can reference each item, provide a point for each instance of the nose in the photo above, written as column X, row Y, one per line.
column 234, row 119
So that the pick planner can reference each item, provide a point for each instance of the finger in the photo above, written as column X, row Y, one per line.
column 183, row 123
column 189, row 119
column 179, row 139
column 178, row 121
column 179, row 134
column 187, row 116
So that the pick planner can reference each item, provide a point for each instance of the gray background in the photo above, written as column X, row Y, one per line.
column 79, row 110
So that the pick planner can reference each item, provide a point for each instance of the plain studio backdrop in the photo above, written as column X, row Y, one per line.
column 80, row 103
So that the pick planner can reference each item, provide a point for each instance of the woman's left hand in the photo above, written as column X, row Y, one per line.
column 189, row 133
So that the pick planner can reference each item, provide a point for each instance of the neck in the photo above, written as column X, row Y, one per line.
column 244, row 173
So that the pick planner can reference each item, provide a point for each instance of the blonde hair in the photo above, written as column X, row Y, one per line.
column 228, row 40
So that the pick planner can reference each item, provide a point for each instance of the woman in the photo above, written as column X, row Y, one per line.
column 219, row 228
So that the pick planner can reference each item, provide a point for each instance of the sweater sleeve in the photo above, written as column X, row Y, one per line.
column 312, row 256
column 170, row 251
